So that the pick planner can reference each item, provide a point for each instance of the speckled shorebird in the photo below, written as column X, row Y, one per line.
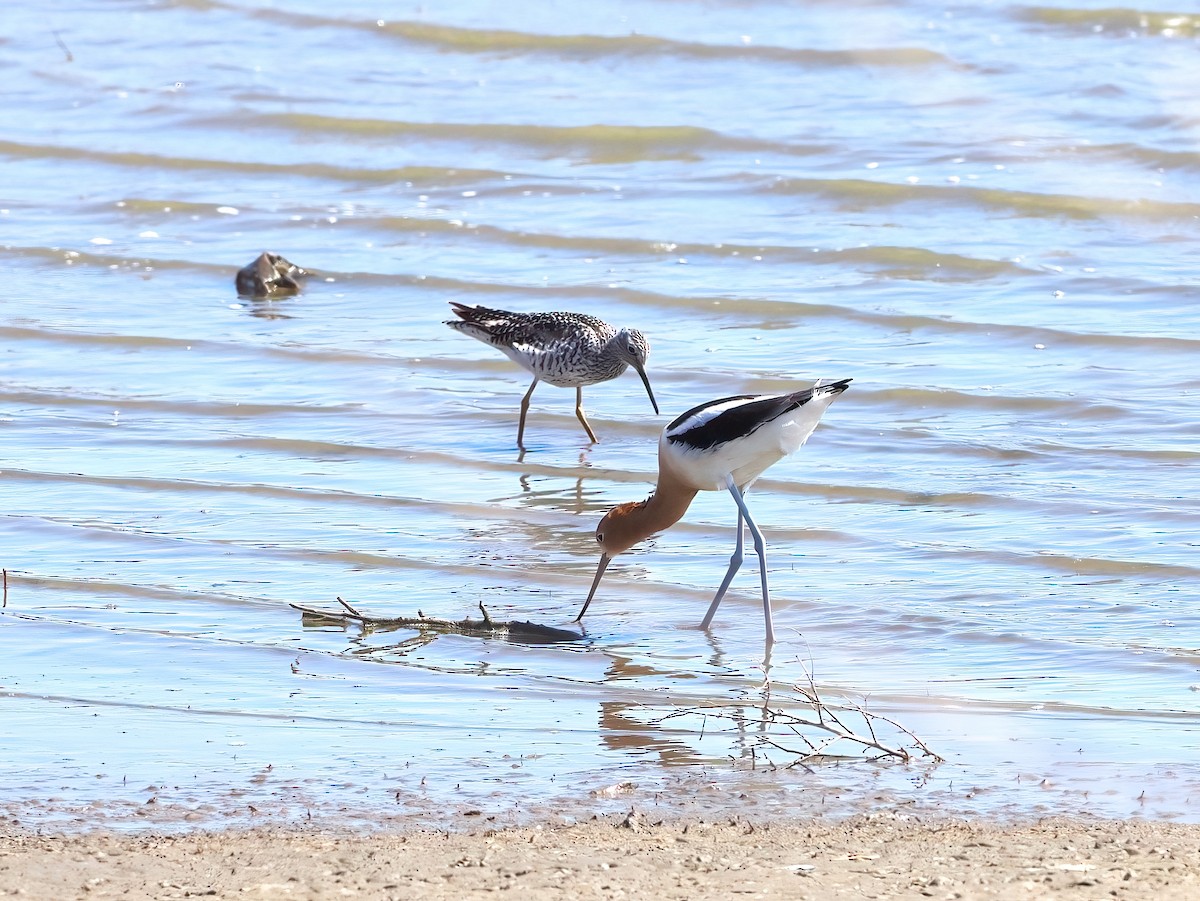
column 722, row 444
column 568, row 350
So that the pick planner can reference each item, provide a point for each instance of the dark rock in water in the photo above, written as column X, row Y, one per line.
column 268, row 276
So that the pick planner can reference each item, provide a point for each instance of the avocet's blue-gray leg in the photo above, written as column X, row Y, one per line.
column 524, row 411
column 735, row 563
column 760, row 547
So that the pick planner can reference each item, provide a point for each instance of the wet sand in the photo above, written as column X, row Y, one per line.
column 880, row 855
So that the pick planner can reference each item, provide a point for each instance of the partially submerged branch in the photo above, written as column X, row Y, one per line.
column 806, row 726
column 517, row 630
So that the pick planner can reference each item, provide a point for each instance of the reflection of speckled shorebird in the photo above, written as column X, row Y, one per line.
column 568, row 350
column 722, row 444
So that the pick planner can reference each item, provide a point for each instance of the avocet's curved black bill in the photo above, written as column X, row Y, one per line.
column 604, row 561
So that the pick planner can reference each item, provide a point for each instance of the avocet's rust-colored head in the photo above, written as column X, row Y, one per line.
column 621, row 528
column 617, row 532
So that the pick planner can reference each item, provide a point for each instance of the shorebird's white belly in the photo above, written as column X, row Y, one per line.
column 562, row 368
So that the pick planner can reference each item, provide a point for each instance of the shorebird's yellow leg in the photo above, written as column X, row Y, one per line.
column 579, row 412
column 524, row 410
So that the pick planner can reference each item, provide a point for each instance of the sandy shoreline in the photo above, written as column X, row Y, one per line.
column 869, row 856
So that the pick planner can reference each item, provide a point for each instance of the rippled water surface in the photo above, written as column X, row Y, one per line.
column 985, row 214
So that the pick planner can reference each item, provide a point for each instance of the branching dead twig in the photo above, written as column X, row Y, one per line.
column 831, row 722
column 485, row 628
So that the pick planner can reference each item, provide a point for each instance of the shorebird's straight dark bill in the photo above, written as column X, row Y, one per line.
column 604, row 561
column 646, row 382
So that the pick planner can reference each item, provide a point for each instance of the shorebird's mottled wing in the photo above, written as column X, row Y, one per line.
column 537, row 332
column 551, row 333
column 527, row 332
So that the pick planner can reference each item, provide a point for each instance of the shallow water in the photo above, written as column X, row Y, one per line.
column 986, row 215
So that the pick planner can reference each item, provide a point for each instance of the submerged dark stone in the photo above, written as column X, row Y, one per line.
column 269, row 275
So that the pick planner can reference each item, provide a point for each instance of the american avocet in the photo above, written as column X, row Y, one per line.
column 722, row 444
column 568, row 350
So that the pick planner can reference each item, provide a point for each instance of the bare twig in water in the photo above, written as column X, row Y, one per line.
column 65, row 48
column 5, row 604
column 812, row 730
column 485, row 628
